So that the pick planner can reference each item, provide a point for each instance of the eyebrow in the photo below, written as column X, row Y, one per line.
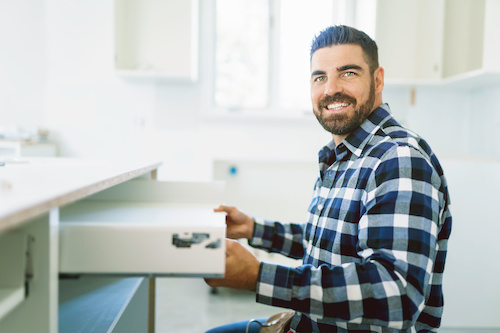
column 318, row 73
column 339, row 69
column 347, row 67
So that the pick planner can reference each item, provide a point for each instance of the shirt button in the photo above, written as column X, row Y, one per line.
column 320, row 207
column 298, row 313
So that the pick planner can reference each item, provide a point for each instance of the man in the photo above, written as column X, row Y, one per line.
column 374, row 246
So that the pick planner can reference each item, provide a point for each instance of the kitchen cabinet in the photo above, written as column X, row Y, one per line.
column 157, row 39
column 409, row 35
column 439, row 42
column 76, row 230
column 472, row 39
column 22, row 148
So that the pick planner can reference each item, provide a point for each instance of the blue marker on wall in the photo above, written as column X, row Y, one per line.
column 233, row 170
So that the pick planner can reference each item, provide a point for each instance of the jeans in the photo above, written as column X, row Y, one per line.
column 238, row 327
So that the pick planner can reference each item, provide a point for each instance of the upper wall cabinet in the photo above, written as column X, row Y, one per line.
column 157, row 39
column 409, row 35
column 439, row 41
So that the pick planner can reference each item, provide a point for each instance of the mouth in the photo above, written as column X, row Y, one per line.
column 338, row 103
column 337, row 106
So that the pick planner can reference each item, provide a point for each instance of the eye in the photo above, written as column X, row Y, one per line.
column 319, row 78
column 348, row 74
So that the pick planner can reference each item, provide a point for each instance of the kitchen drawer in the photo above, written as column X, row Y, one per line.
column 145, row 227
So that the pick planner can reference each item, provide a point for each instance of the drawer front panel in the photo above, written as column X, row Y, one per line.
column 138, row 249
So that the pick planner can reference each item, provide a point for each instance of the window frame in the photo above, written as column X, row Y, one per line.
column 208, row 62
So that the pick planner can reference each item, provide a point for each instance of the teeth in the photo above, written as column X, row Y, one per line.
column 336, row 106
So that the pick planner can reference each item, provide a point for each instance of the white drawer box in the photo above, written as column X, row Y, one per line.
column 145, row 228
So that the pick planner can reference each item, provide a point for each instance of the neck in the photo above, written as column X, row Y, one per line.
column 339, row 138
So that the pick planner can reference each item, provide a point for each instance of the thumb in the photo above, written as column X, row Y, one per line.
column 223, row 208
column 219, row 209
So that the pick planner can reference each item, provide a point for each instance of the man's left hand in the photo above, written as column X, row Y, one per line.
column 242, row 268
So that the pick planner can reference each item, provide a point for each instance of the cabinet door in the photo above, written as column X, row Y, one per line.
column 143, row 228
column 424, row 41
column 491, row 40
column 464, row 33
column 13, row 249
column 157, row 38
column 409, row 35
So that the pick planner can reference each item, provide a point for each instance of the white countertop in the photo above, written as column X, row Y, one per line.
column 31, row 187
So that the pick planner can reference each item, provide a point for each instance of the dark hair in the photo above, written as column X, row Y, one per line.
column 342, row 34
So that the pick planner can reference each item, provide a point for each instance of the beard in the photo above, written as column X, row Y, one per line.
column 340, row 124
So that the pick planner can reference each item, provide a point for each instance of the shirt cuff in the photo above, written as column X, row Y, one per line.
column 259, row 229
column 273, row 284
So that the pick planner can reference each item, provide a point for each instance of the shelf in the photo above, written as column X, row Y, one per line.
column 92, row 304
column 473, row 80
column 467, row 81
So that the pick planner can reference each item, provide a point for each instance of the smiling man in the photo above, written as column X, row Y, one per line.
column 374, row 246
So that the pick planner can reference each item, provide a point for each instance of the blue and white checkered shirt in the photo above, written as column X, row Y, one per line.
column 374, row 246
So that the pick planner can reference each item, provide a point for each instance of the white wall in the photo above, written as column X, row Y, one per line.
column 22, row 63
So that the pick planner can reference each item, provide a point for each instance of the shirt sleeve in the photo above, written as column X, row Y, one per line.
column 277, row 237
column 397, row 247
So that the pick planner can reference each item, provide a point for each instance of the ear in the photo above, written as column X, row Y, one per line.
column 378, row 77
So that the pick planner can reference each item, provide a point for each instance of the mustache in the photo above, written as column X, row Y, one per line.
column 338, row 97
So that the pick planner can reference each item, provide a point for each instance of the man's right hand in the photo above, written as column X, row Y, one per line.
column 239, row 224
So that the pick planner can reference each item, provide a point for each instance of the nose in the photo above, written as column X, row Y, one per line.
column 333, row 86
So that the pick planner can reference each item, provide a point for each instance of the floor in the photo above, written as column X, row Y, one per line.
column 187, row 305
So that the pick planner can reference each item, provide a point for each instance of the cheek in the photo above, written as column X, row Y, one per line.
column 355, row 92
column 315, row 95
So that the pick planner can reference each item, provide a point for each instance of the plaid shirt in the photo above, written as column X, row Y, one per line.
column 374, row 246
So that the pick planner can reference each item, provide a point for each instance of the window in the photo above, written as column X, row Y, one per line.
column 262, row 50
column 242, row 54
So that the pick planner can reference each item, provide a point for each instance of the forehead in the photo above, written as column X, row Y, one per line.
column 337, row 56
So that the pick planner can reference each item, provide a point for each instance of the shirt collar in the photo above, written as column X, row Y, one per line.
column 359, row 138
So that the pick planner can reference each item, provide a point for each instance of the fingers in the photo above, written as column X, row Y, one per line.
column 242, row 268
column 213, row 282
column 223, row 208
column 231, row 246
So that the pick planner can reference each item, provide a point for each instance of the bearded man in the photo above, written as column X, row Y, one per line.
column 374, row 247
